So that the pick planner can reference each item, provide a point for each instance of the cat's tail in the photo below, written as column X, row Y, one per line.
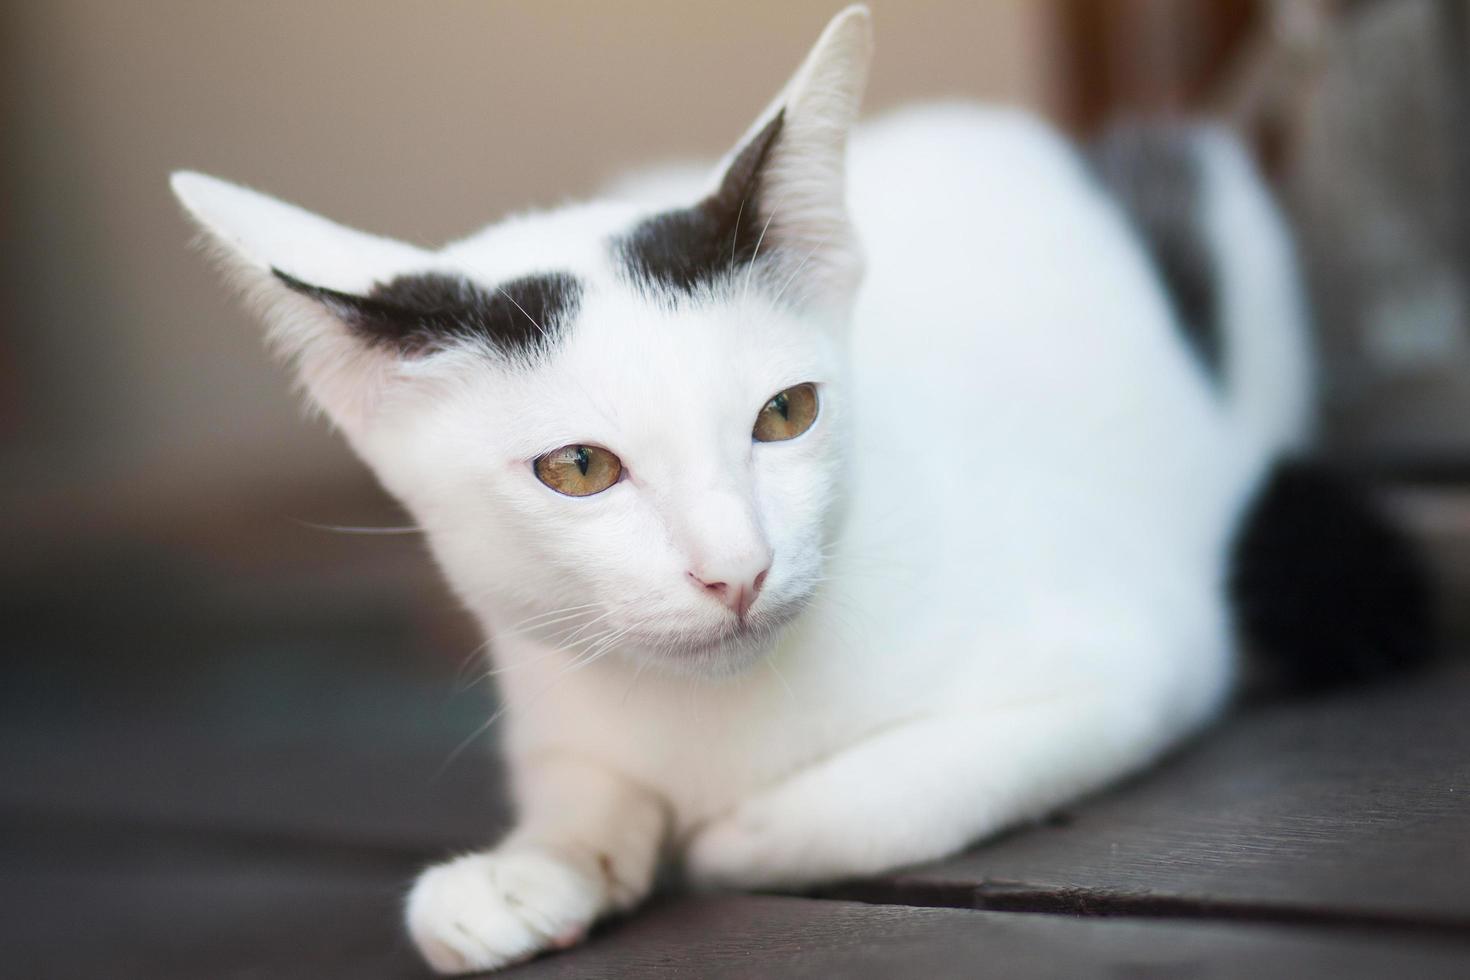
column 1327, row 591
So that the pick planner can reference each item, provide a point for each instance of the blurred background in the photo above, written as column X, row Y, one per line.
column 183, row 636
column 132, row 388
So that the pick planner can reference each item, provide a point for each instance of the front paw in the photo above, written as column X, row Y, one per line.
column 486, row 911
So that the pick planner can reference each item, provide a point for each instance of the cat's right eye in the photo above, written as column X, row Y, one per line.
column 578, row 471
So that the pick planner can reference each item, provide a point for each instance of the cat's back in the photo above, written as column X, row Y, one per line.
column 1006, row 267
column 1001, row 276
column 938, row 165
column 1016, row 362
column 986, row 230
column 953, row 151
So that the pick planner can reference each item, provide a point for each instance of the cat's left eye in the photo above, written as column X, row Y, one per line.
column 578, row 471
column 787, row 415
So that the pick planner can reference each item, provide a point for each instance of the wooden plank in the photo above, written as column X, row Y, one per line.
column 374, row 796
column 1352, row 807
column 268, row 920
column 324, row 722
column 106, row 900
column 1355, row 808
column 776, row 937
column 161, row 913
column 320, row 747
column 116, row 902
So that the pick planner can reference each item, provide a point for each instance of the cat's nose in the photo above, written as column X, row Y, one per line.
column 735, row 589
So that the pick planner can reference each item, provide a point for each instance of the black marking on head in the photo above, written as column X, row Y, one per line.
column 689, row 248
column 1154, row 172
column 1324, row 587
column 421, row 313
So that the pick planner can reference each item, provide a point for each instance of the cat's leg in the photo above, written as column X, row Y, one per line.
column 587, row 843
column 927, row 788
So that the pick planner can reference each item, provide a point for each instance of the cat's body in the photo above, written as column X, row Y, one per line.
column 990, row 576
column 1039, row 498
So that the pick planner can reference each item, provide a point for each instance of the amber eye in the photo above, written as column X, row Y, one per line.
column 578, row 471
column 787, row 415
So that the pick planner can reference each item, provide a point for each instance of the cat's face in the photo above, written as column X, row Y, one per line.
column 621, row 426
column 687, row 538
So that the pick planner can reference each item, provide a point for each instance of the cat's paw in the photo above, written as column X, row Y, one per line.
column 486, row 911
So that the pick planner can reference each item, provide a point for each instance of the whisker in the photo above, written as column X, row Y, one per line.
column 527, row 626
column 597, row 649
column 545, row 624
column 575, row 650
column 755, row 253
column 790, row 694
column 552, row 612
column 464, row 665
column 544, row 335
column 549, row 650
column 609, row 643
column 802, row 265
column 470, row 739
column 634, row 682
column 494, row 671
column 573, row 639
column 347, row 529
column 735, row 235
column 608, row 647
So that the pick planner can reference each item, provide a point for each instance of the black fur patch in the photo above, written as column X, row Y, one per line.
column 417, row 314
column 1324, row 586
column 692, row 247
column 1155, row 174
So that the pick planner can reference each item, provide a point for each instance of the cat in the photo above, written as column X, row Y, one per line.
column 831, row 511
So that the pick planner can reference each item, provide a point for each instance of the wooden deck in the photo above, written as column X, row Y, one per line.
column 193, row 787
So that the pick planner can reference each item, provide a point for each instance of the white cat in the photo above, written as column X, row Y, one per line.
column 792, row 570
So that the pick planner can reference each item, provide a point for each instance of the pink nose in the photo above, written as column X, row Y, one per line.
column 737, row 595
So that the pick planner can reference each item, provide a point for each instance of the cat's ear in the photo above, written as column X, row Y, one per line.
column 308, row 278
column 796, row 156
column 775, row 211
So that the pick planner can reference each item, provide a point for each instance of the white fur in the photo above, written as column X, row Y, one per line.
column 999, row 553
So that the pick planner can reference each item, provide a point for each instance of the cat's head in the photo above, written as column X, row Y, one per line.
column 623, row 420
